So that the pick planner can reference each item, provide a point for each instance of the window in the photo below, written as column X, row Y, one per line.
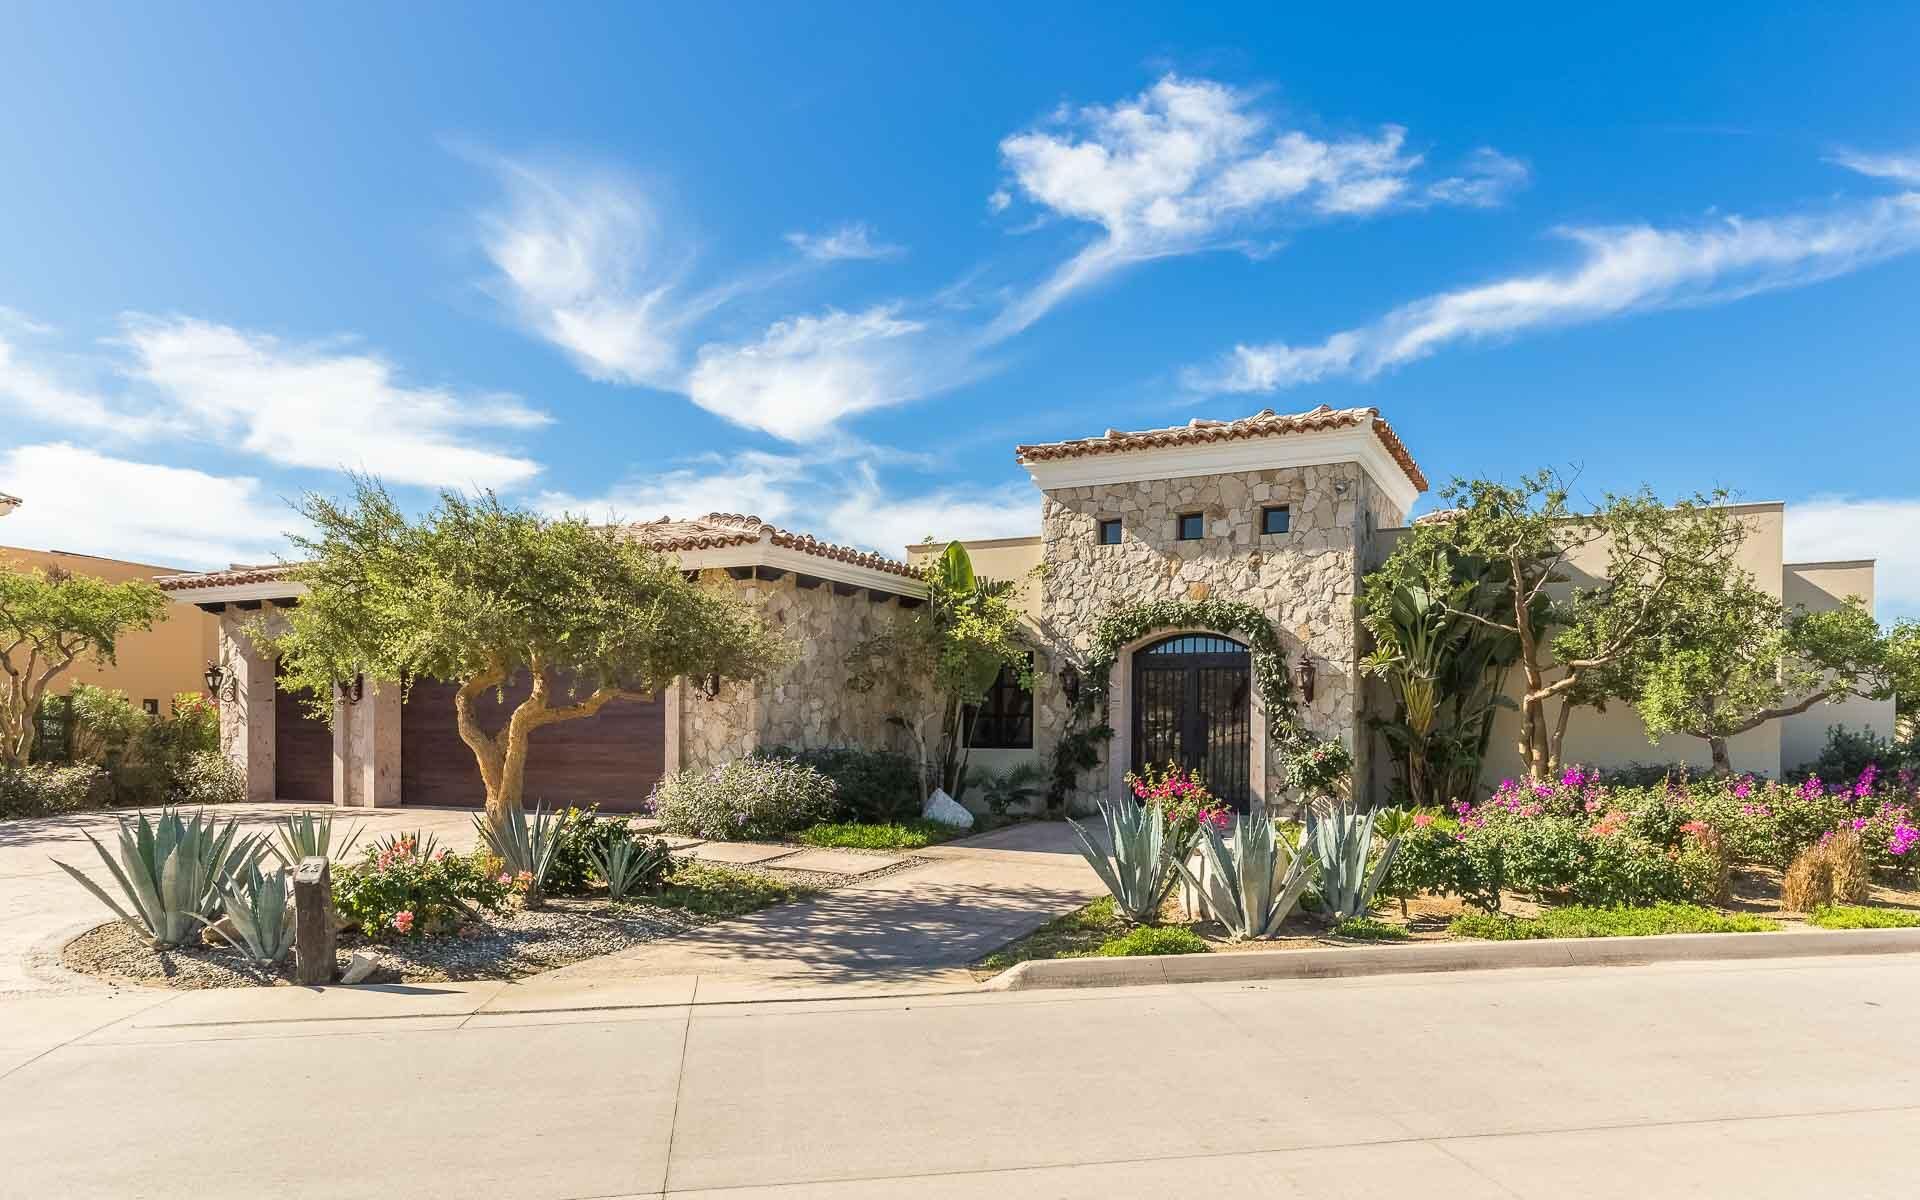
column 152, row 707
column 1004, row 721
column 1278, row 519
column 1190, row 527
column 1110, row 531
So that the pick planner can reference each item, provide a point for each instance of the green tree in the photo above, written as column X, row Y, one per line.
column 479, row 594
column 49, row 620
column 1733, row 658
column 938, row 661
column 1575, row 642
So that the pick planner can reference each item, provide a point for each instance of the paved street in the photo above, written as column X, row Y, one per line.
column 1786, row 1078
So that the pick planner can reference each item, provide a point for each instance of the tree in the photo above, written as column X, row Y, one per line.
column 1572, row 644
column 50, row 619
column 940, row 659
column 1733, row 658
column 479, row 594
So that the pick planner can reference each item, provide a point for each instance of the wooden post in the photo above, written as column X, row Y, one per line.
column 313, row 928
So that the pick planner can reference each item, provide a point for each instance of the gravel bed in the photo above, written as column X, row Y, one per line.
column 508, row 947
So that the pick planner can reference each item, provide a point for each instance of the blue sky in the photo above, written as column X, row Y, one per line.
column 830, row 265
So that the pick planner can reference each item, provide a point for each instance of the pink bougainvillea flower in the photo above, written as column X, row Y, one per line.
column 1422, row 819
column 403, row 922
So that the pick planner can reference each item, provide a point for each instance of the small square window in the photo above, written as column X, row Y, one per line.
column 1190, row 527
column 152, row 707
column 1278, row 519
column 1110, row 532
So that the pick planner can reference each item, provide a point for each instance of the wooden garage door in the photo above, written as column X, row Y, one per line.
column 612, row 758
column 302, row 751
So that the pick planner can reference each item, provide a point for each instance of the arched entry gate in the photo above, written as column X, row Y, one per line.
column 1192, row 705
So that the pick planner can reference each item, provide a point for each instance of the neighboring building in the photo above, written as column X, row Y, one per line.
column 152, row 666
column 1286, row 513
column 8, row 503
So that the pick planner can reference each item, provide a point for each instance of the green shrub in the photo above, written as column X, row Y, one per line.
column 745, row 799
column 1153, row 939
column 1370, row 929
column 403, row 885
column 1581, row 921
column 879, row 786
column 1850, row 751
column 580, row 834
column 47, row 790
column 172, row 759
column 717, row 891
column 1860, row 916
column 206, row 777
column 902, row 835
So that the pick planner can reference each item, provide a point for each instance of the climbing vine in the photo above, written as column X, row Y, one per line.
column 1132, row 622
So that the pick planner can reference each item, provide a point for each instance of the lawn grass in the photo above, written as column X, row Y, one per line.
column 1859, row 916
column 717, row 891
column 901, row 835
column 1144, row 940
column 1075, row 935
column 1579, row 921
column 1370, row 929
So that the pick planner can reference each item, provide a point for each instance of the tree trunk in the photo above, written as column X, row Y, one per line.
column 1722, row 761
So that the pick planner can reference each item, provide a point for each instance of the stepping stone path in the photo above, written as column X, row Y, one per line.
column 838, row 862
column 738, row 853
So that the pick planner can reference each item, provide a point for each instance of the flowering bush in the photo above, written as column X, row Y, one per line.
column 1316, row 767
column 1184, row 803
column 577, row 834
column 744, row 799
column 406, row 887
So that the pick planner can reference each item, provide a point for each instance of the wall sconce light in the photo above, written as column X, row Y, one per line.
column 1303, row 675
column 221, row 683
column 353, row 692
column 1070, row 684
column 710, row 686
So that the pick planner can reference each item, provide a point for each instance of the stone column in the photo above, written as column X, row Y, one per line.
column 246, row 720
column 377, row 746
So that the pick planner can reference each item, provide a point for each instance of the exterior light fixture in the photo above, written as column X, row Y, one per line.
column 221, row 683
column 1070, row 684
column 353, row 692
column 1303, row 675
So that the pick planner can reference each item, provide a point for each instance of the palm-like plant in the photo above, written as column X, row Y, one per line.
column 1342, row 839
column 526, row 847
column 1252, row 882
column 170, row 872
column 259, row 908
column 1139, row 871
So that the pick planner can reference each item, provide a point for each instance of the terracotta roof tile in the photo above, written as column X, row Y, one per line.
column 233, row 576
column 1198, row 432
column 734, row 529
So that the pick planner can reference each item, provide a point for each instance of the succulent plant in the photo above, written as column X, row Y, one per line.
column 626, row 865
column 259, row 908
column 171, row 870
column 307, row 834
column 1251, row 882
column 524, row 846
column 1139, row 871
column 1342, row 839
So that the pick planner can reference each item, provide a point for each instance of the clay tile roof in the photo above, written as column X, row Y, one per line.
column 234, row 575
column 734, row 529
column 1199, row 432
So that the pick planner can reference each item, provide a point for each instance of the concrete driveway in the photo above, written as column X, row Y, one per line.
column 41, row 906
column 1758, row 1080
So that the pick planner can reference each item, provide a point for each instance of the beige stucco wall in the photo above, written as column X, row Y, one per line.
column 154, row 665
column 1819, row 586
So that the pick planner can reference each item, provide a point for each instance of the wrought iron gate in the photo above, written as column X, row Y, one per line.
column 1192, row 706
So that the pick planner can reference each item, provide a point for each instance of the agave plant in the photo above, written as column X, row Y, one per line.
column 525, row 846
column 418, row 844
column 1342, row 839
column 171, row 870
column 259, row 908
column 626, row 865
column 309, row 834
column 1139, row 872
column 1253, row 881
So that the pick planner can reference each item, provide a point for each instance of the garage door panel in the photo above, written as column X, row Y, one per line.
column 612, row 758
column 302, row 751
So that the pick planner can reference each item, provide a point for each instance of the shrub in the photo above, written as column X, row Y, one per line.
column 1580, row 921
column 206, row 777
column 747, row 798
column 1151, row 939
column 173, row 759
column 1856, row 916
column 582, row 833
column 1847, row 866
column 1016, row 787
column 1848, row 752
column 405, row 886
column 1370, row 929
column 47, row 790
column 1808, row 883
column 880, row 786
column 853, row 835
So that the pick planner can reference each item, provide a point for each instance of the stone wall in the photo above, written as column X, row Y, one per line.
column 807, row 703
column 1305, row 580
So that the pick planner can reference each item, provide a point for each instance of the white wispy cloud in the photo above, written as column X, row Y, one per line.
column 324, row 406
column 854, row 240
column 81, row 500
column 1487, row 178
column 1621, row 269
column 1900, row 168
column 1189, row 163
column 864, row 513
column 1838, row 528
column 753, row 482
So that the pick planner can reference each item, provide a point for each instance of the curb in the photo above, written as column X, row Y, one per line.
column 1341, row 963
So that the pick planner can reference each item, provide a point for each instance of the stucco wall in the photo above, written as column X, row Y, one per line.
column 1820, row 586
column 153, row 665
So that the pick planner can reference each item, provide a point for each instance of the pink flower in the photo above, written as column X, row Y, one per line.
column 1421, row 820
column 505, row 878
column 403, row 922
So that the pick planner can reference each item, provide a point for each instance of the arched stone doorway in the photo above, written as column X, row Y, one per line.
column 1189, row 701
